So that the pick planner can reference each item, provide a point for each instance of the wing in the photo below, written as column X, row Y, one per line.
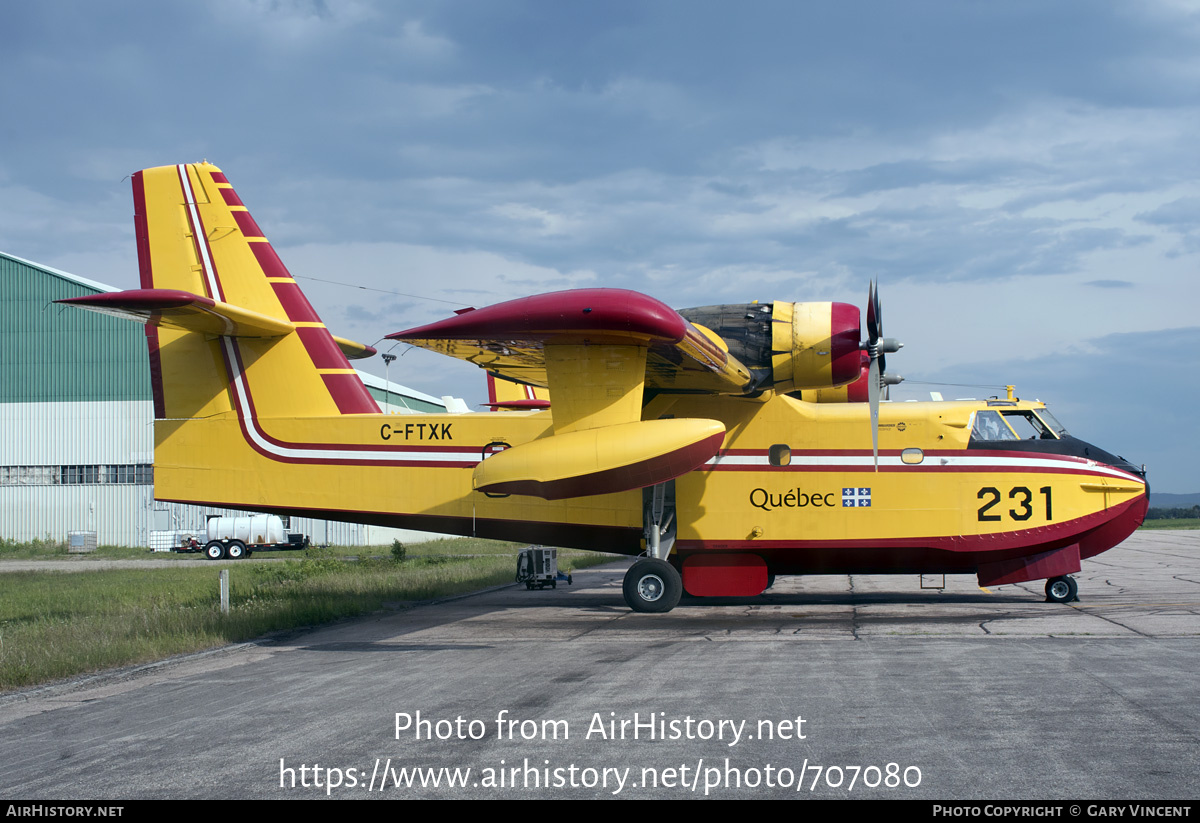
column 596, row 350
column 513, row 339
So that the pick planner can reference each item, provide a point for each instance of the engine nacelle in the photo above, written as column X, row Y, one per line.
column 789, row 346
column 814, row 345
column 852, row 392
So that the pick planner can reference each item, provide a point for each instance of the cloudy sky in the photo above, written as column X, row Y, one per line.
column 1022, row 177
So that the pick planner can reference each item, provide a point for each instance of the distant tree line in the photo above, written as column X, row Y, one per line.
column 1192, row 513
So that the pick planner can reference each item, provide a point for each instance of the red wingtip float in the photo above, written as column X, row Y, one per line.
column 724, row 444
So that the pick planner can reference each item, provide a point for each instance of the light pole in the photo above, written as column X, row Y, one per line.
column 387, row 361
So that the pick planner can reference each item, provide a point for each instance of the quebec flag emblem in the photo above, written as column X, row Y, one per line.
column 856, row 498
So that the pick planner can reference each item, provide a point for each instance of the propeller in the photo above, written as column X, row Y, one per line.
column 878, row 380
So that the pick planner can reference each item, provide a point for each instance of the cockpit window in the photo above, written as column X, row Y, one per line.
column 989, row 425
column 1050, row 421
column 1027, row 426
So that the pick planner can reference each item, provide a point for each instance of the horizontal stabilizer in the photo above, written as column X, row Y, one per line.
column 602, row 460
column 353, row 350
column 178, row 309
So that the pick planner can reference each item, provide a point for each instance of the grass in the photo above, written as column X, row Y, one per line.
column 55, row 624
column 48, row 549
column 1177, row 523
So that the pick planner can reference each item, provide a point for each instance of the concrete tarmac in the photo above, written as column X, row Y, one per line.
column 831, row 687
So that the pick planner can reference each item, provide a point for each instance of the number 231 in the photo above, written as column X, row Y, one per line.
column 1023, row 498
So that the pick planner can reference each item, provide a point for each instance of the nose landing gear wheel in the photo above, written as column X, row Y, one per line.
column 652, row 586
column 1062, row 589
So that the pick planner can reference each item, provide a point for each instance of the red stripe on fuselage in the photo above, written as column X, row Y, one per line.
column 247, row 416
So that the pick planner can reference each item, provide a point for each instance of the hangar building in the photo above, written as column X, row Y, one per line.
column 77, row 423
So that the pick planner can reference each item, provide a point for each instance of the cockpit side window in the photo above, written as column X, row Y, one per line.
column 990, row 426
column 1027, row 426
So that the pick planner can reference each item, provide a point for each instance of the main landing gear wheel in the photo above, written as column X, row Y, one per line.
column 1062, row 589
column 236, row 550
column 652, row 586
column 214, row 550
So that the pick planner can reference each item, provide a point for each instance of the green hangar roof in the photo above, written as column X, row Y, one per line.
column 50, row 353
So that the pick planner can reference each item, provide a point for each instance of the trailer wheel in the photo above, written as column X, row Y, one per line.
column 214, row 550
column 652, row 586
column 236, row 550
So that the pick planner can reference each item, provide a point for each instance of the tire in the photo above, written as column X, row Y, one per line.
column 1062, row 589
column 652, row 586
column 214, row 550
column 236, row 550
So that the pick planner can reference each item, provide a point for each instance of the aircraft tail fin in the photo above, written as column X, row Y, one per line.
column 221, row 309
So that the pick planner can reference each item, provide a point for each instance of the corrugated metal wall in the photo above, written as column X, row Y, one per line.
column 56, row 354
column 75, row 392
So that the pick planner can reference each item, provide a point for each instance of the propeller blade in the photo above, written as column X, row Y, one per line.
column 873, row 309
column 873, row 391
column 877, row 378
column 878, row 313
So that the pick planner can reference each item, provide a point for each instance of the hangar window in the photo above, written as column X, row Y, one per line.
column 79, row 475
column 127, row 475
column 118, row 474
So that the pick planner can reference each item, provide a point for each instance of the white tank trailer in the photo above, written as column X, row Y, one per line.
column 232, row 538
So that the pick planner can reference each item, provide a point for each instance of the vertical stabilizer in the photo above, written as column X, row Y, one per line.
column 195, row 235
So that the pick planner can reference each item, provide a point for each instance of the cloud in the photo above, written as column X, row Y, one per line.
column 1130, row 394
column 1010, row 172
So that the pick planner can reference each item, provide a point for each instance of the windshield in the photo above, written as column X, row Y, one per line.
column 1027, row 426
column 1052, row 422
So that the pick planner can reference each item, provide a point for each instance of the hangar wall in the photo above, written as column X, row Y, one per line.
column 77, row 422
